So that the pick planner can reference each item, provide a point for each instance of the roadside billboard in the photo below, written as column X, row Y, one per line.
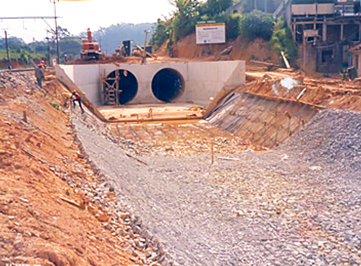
column 209, row 32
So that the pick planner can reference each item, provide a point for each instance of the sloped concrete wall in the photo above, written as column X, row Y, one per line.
column 263, row 121
column 203, row 80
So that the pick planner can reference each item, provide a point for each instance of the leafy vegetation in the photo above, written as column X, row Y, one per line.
column 257, row 25
column 267, row 6
column 162, row 32
column 282, row 41
column 215, row 7
column 233, row 28
column 38, row 50
column 251, row 25
column 185, row 18
column 56, row 105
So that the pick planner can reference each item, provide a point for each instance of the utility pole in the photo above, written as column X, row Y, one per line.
column 56, row 34
column 7, row 49
column 43, row 18
column 49, row 63
column 145, row 46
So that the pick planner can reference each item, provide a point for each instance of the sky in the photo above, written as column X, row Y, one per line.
column 77, row 16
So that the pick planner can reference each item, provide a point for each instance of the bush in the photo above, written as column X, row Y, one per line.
column 233, row 27
column 257, row 25
column 232, row 24
column 161, row 33
column 215, row 7
column 183, row 29
column 55, row 105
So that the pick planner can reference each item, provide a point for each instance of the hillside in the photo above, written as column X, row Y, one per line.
column 256, row 50
column 53, row 208
column 112, row 36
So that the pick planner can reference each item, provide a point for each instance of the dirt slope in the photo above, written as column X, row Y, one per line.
column 43, row 219
column 256, row 50
column 325, row 92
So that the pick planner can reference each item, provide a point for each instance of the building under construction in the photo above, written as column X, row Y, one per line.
column 325, row 30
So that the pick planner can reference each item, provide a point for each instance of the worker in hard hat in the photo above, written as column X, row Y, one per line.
column 39, row 74
column 42, row 63
column 66, row 59
column 76, row 97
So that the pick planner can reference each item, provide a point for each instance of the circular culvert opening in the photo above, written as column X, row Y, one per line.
column 167, row 85
column 120, row 87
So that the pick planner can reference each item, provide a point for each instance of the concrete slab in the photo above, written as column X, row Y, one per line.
column 170, row 111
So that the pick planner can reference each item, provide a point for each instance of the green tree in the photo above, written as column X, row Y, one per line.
column 257, row 25
column 215, row 7
column 282, row 40
column 111, row 37
column 38, row 47
column 233, row 26
column 162, row 32
column 267, row 6
column 185, row 17
column 14, row 43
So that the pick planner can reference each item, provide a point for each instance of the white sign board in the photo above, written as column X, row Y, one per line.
column 208, row 32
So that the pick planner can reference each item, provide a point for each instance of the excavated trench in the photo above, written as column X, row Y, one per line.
column 256, row 208
column 168, row 85
column 237, row 210
column 260, row 121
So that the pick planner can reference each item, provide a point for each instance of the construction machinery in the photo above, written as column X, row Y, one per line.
column 89, row 50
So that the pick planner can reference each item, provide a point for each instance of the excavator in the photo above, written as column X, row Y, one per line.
column 89, row 50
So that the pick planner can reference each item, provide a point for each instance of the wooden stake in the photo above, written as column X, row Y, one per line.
column 301, row 94
column 25, row 118
column 276, row 126
column 289, row 122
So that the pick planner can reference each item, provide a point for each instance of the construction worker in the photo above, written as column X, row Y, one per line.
column 66, row 59
column 123, row 51
column 43, row 64
column 39, row 74
column 77, row 98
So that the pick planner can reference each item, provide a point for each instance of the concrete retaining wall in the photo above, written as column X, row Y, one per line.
column 264, row 121
column 203, row 80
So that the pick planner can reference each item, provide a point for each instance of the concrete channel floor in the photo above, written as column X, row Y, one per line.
column 265, row 208
column 153, row 111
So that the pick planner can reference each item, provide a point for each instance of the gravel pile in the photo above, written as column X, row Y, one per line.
column 136, row 236
column 17, row 80
column 297, row 205
column 332, row 139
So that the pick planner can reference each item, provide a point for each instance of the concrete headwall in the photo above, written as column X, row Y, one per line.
column 203, row 80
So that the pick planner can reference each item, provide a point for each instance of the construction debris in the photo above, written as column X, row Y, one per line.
column 261, row 66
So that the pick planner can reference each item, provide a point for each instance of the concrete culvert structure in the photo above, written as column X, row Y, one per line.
column 168, row 85
column 120, row 87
